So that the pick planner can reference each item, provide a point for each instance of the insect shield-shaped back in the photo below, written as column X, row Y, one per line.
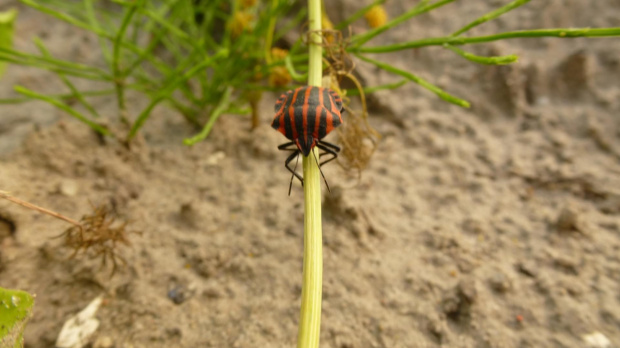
column 306, row 115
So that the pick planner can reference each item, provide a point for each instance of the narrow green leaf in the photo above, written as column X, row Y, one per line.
column 291, row 70
column 171, row 87
column 222, row 106
column 57, row 103
column 361, row 39
column 451, row 40
column 75, row 92
column 89, row 8
column 52, row 64
column 369, row 90
column 58, row 96
column 491, row 15
column 7, row 19
column 440, row 92
column 498, row 60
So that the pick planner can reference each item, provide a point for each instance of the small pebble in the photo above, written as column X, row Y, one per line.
column 468, row 290
column 68, row 188
column 500, row 282
column 568, row 220
column 103, row 342
column 596, row 340
column 215, row 158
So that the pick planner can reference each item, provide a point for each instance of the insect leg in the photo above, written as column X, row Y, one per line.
column 285, row 146
column 320, row 171
column 330, row 149
column 290, row 185
column 295, row 154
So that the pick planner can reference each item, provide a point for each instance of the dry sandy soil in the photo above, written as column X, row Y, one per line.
column 497, row 226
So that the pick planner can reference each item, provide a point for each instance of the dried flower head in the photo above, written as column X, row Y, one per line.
column 279, row 53
column 376, row 16
column 242, row 21
column 98, row 237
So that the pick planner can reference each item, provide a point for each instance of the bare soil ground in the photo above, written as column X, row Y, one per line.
column 497, row 226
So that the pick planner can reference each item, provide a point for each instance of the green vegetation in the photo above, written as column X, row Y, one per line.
column 201, row 58
column 7, row 20
column 206, row 59
column 15, row 310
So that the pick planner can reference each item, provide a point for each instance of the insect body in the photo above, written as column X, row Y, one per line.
column 305, row 116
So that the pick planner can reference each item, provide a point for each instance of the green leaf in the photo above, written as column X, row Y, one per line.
column 420, row 81
column 7, row 19
column 15, row 310
column 497, row 60
column 62, row 106
column 491, row 15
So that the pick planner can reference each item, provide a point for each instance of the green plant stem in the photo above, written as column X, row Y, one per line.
column 7, row 21
column 62, row 106
column 270, row 32
column 498, row 60
column 312, row 287
column 491, row 15
column 89, row 9
column 455, row 41
column 58, row 96
column 76, row 93
column 359, row 40
column 69, row 68
column 420, row 81
column 291, row 70
column 221, row 107
column 119, row 77
column 171, row 87
column 368, row 90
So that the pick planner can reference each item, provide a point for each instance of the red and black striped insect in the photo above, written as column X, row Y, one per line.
column 305, row 116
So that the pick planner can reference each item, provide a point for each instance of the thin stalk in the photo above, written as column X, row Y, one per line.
column 368, row 90
column 58, row 96
column 119, row 78
column 270, row 32
column 291, row 70
column 172, row 86
column 97, row 30
column 89, row 8
column 497, row 60
column 76, row 93
column 455, row 41
column 217, row 112
column 491, row 15
column 52, row 64
column 62, row 106
column 361, row 39
column 420, row 81
column 312, row 287
column 31, row 206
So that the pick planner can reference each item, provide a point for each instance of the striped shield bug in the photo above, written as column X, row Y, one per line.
column 305, row 116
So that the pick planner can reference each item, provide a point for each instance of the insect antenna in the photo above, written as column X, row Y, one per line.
column 318, row 165
column 290, row 186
